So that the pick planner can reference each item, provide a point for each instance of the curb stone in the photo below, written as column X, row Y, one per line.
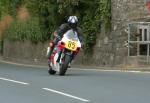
column 86, row 68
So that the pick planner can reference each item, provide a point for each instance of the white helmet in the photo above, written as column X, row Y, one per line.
column 73, row 20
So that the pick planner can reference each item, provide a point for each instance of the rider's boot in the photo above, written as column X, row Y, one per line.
column 72, row 59
column 69, row 65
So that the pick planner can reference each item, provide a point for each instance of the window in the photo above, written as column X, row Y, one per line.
column 139, row 40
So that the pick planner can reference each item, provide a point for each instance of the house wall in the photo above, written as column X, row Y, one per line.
column 111, row 49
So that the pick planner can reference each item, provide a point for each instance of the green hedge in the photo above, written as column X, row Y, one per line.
column 29, row 30
column 47, row 15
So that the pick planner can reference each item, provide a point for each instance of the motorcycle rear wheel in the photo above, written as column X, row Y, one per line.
column 51, row 71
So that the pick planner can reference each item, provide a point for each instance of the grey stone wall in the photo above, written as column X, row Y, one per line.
column 111, row 49
column 124, row 12
column 25, row 52
column 30, row 53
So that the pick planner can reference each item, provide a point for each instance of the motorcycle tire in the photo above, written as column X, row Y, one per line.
column 64, row 66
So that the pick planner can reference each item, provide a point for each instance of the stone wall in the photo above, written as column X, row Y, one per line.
column 30, row 53
column 124, row 12
column 25, row 52
column 111, row 48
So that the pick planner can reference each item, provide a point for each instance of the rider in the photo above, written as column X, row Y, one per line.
column 72, row 23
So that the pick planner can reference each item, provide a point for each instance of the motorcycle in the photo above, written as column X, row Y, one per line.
column 64, row 52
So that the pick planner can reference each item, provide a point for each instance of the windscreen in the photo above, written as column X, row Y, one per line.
column 70, row 34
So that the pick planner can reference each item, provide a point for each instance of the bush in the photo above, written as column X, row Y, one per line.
column 50, row 14
column 29, row 30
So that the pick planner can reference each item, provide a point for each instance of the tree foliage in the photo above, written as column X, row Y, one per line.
column 27, row 31
column 50, row 14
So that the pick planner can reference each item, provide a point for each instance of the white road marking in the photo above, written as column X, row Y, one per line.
column 65, row 94
column 5, row 79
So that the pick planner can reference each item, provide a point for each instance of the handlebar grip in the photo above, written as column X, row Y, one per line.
column 58, row 37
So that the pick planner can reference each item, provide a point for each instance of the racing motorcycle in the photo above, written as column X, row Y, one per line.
column 64, row 52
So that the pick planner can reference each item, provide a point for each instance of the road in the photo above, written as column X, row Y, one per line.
column 21, row 84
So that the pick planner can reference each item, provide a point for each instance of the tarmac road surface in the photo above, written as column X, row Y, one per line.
column 21, row 84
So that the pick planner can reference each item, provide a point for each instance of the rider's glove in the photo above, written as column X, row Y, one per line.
column 58, row 38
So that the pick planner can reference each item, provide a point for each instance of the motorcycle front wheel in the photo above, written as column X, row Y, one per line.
column 64, row 66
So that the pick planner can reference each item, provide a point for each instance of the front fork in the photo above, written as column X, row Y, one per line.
column 62, row 55
column 59, row 57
